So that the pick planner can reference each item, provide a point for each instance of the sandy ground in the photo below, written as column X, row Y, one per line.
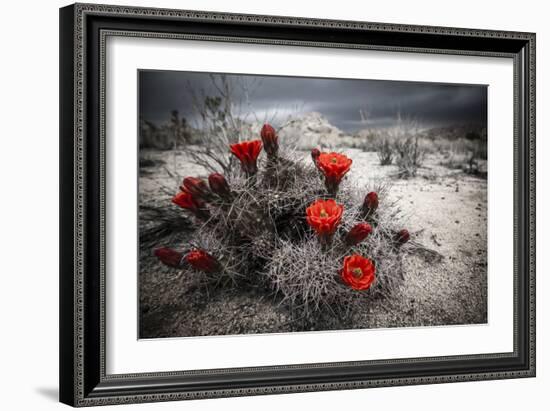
column 447, row 208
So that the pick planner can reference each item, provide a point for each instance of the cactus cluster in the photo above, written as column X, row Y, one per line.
column 298, row 229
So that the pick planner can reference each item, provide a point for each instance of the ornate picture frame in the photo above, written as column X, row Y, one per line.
column 84, row 29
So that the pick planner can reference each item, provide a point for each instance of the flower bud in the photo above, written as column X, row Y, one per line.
column 402, row 236
column 370, row 204
column 170, row 257
column 315, row 153
column 358, row 233
column 189, row 202
column 270, row 140
column 197, row 188
column 218, row 185
column 202, row 261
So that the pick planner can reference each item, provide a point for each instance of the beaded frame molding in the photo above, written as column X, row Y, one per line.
column 84, row 29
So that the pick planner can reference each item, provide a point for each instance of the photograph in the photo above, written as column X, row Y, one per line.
column 266, row 201
column 278, row 204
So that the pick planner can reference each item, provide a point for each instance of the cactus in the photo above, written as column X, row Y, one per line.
column 299, row 230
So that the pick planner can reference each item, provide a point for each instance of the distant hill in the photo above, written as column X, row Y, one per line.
column 314, row 130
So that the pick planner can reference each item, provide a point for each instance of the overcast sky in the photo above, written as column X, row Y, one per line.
column 339, row 100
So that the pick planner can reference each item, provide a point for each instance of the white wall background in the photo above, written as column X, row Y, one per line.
column 29, row 204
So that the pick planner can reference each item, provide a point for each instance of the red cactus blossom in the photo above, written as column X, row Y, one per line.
column 202, row 261
column 270, row 140
column 186, row 200
column 218, row 184
column 247, row 152
column 170, row 257
column 334, row 166
column 402, row 236
column 370, row 204
column 324, row 216
column 315, row 153
column 358, row 272
column 358, row 233
column 197, row 188
column 189, row 202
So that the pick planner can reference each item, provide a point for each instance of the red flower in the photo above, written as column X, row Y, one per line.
column 218, row 184
column 324, row 216
column 202, row 261
column 170, row 257
column 270, row 140
column 196, row 187
column 358, row 272
column 402, row 236
column 370, row 204
column 334, row 166
column 358, row 233
column 247, row 152
column 186, row 200
column 189, row 202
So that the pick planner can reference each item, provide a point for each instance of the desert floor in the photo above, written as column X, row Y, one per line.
column 447, row 208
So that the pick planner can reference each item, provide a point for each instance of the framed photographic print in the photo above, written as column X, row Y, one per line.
column 261, row 204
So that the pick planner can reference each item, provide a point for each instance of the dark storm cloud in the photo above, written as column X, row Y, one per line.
column 271, row 97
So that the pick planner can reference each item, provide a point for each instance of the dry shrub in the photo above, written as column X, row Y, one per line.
column 225, row 117
column 385, row 153
column 401, row 144
column 410, row 156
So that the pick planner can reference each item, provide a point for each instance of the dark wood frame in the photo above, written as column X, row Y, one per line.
column 83, row 30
